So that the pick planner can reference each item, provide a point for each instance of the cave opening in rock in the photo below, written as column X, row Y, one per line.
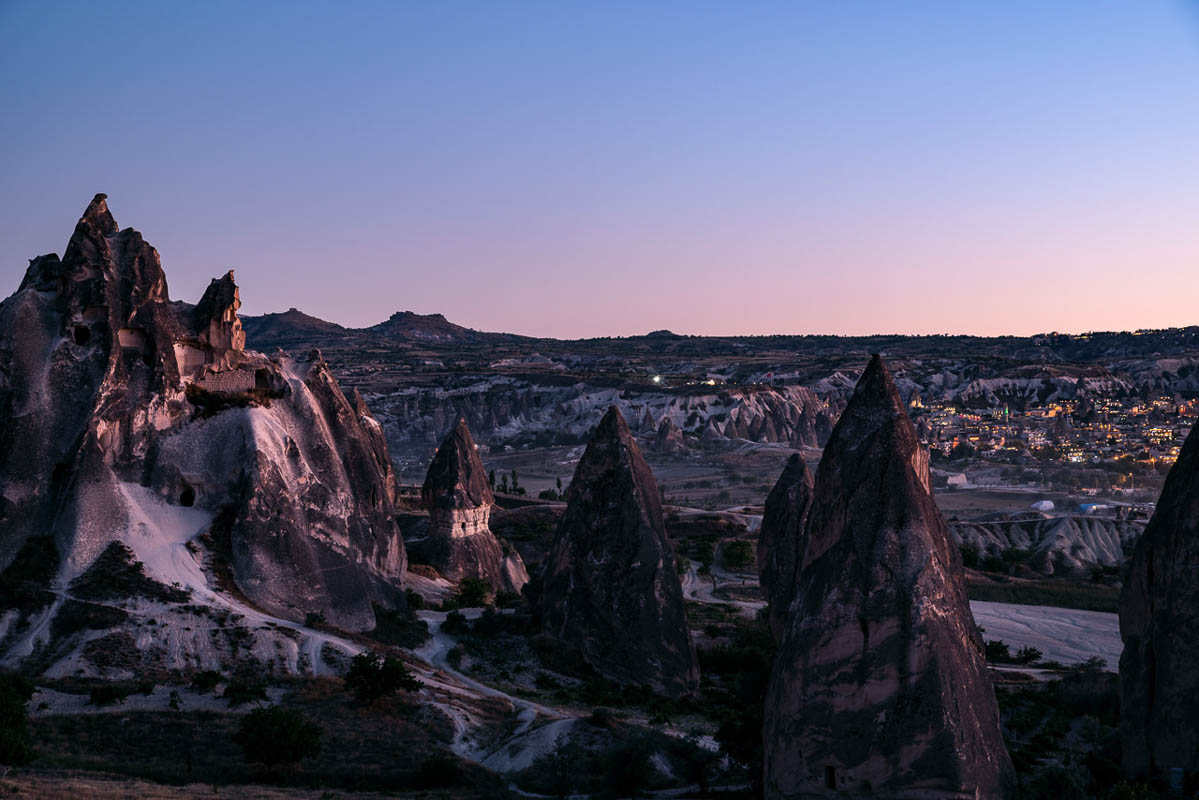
column 82, row 335
column 187, row 497
column 830, row 777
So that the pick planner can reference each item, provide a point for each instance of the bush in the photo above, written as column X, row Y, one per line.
column 970, row 555
column 240, row 692
column 373, row 676
column 399, row 628
column 1028, row 655
column 473, row 592
column 15, row 746
column 314, row 619
column 508, row 599
column 416, row 600
column 738, row 554
column 206, row 681
column 105, row 695
column 998, row 651
column 455, row 624
column 439, row 770
column 277, row 735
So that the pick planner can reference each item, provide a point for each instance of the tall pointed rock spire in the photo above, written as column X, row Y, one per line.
column 880, row 686
column 611, row 587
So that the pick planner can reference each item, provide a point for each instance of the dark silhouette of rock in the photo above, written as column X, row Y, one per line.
column 780, row 539
column 459, row 501
column 1159, row 623
column 669, row 438
column 126, row 417
column 880, row 687
column 611, row 587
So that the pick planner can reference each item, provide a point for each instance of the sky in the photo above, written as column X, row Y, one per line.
column 576, row 169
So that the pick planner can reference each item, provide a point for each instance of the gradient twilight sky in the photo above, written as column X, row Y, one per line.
column 584, row 169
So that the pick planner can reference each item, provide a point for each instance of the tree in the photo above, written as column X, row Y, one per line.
column 998, row 650
column 1028, row 655
column 473, row 592
column 15, row 747
column 373, row 676
column 515, row 483
column 503, row 484
column 277, row 735
column 491, row 479
column 559, row 482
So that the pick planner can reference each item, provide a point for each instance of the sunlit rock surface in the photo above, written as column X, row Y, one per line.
column 126, row 417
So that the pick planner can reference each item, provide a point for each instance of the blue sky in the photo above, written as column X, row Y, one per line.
column 580, row 169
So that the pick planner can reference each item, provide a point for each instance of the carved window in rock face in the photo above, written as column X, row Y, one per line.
column 830, row 777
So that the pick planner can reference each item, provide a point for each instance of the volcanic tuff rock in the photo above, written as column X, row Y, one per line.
column 610, row 586
column 459, row 500
column 1072, row 545
column 669, row 437
column 126, row 417
column 780, row 539
column 1159, row 623
column 880, row 687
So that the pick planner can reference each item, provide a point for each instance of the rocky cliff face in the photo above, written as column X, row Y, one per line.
column 459, row 501
column 880, row 687
column 1159, row 623
column 511, row 411
column 127, row 418
column 1070, row 546
column 610, row 586
column 780, row 539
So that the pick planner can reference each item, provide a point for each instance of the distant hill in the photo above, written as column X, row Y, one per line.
column 290, row 329
column 293, row 329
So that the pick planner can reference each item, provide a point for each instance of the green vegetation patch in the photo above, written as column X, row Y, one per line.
column 117, row 574
column 23, row 585
column 1059, row 593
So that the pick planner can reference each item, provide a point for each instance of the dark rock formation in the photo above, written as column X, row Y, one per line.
column 669, row 438
column 459, row 501
column 126, row 417
column 780, row 539
column 880, row 688
column 610, row 586
column 1159, row 623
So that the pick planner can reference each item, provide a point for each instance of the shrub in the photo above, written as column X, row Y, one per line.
column 206, row 681
column 314, row 619
column 416, row 600
column 1028, row 655
column 277, row 735
column 399, row 628
column 738, row 554
column 970, row 555
column 455, row 624
column 508, row 599
column 15, row 746
column 105, row 695
column 439, row 770
column 240, row 692
column 373, row 676
column 23, row 584
column 473, row 592
column 998, row 651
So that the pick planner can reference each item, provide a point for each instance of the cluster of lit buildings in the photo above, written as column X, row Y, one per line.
column 1094, row 431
